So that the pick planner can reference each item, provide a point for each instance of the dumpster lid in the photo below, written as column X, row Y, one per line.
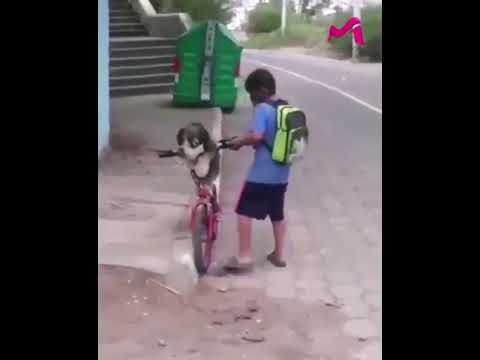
column 228, row 34
column 223, row 29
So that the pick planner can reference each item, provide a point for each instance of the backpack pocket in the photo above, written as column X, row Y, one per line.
column 297, row 144
column 291, row 137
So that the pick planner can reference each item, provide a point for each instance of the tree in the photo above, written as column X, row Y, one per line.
column 264, row 18
column 309, row 7
column 323, row 4
column 202, row 10
column 277, row 4
column 304, row 6
column 338, row 9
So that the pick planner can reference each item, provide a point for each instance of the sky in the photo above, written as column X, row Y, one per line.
column 247, row 5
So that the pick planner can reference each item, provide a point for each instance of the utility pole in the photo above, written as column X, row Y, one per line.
column 284, row 16
column 356, row 4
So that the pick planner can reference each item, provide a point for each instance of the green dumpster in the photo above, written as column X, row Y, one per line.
column 207, row 67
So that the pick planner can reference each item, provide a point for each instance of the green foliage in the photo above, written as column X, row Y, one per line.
column 372, row 32
column 277, row 4
column 202, row 10
column 300, row 33
column 297, row 34
column 264, row 18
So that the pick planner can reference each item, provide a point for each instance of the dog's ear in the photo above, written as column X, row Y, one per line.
column 180, row 136
column 203, row 133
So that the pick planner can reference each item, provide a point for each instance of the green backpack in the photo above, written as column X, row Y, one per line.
column 291, row 137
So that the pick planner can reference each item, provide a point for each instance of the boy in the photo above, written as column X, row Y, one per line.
column 264, row 191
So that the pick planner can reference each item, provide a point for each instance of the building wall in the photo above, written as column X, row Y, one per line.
column 103, row 90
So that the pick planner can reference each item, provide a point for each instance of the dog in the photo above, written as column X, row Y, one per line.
column 199, row 152
column 299, row 146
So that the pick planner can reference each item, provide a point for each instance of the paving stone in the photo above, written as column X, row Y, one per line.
column 371, row 351
column 354, row 308
column 346, row 291
column 360, row 328
column 374, row 299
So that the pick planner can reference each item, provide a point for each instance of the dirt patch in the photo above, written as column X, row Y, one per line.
column 141, row 320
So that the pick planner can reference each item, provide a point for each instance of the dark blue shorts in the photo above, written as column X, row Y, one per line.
column 259, row 200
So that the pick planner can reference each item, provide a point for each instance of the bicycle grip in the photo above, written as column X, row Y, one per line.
column 166, row 154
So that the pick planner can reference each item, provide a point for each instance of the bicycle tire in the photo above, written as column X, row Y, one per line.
column 200, row 242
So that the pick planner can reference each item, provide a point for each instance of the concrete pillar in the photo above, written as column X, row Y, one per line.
column 103, row 74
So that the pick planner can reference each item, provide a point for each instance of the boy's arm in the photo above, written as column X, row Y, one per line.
column 255, row 135
column 250, row 138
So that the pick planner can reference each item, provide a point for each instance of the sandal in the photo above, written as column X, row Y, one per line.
column 233, row 265
column 276, row 262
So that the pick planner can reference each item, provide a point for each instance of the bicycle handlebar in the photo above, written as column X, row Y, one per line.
column 225, row 143
column 222, row 144
column 165, row 153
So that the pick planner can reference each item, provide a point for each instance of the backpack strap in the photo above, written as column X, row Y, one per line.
column 269, row 148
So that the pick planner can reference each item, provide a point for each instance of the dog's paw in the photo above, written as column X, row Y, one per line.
column 202, row 166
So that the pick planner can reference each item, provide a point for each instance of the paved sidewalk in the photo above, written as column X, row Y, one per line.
column 325, row 305
column 143, row 200
column 329, row 264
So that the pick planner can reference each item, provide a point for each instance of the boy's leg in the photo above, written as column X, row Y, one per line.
column 247, row 208
column 245, row 240
column 279, row 233
column 277, row 257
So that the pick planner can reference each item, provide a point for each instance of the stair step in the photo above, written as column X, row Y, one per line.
column 124, row 19
column 141, row 42
column 121, row 10
column 116, row 81
column 136, row 90
column 119, row 6
column 143, row 60
column 142, row 51
column 113, row 13
column 140, row 70
column 126, row 33
column 127, row 26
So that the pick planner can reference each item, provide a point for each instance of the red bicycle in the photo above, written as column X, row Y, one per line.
column 205, row 213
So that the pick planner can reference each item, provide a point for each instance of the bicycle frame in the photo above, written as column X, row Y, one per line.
column 206, row 195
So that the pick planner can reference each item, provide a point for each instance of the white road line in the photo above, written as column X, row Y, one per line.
column 329, row 87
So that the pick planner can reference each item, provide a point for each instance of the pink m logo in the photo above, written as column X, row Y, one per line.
column 353, row 24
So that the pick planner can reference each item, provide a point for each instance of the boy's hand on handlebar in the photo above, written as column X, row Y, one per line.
column 235, row 144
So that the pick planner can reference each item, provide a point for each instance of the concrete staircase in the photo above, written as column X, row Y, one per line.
column 124, row 21
column 139, row 64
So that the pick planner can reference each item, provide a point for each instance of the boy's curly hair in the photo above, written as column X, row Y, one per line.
column 261, row 79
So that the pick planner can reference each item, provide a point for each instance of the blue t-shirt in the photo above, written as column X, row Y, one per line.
column 264, row 170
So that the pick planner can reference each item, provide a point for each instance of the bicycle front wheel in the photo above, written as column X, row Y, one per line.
column 202, row 246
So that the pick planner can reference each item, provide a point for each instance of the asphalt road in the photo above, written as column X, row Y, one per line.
column 334, row 201
column 363, row 81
